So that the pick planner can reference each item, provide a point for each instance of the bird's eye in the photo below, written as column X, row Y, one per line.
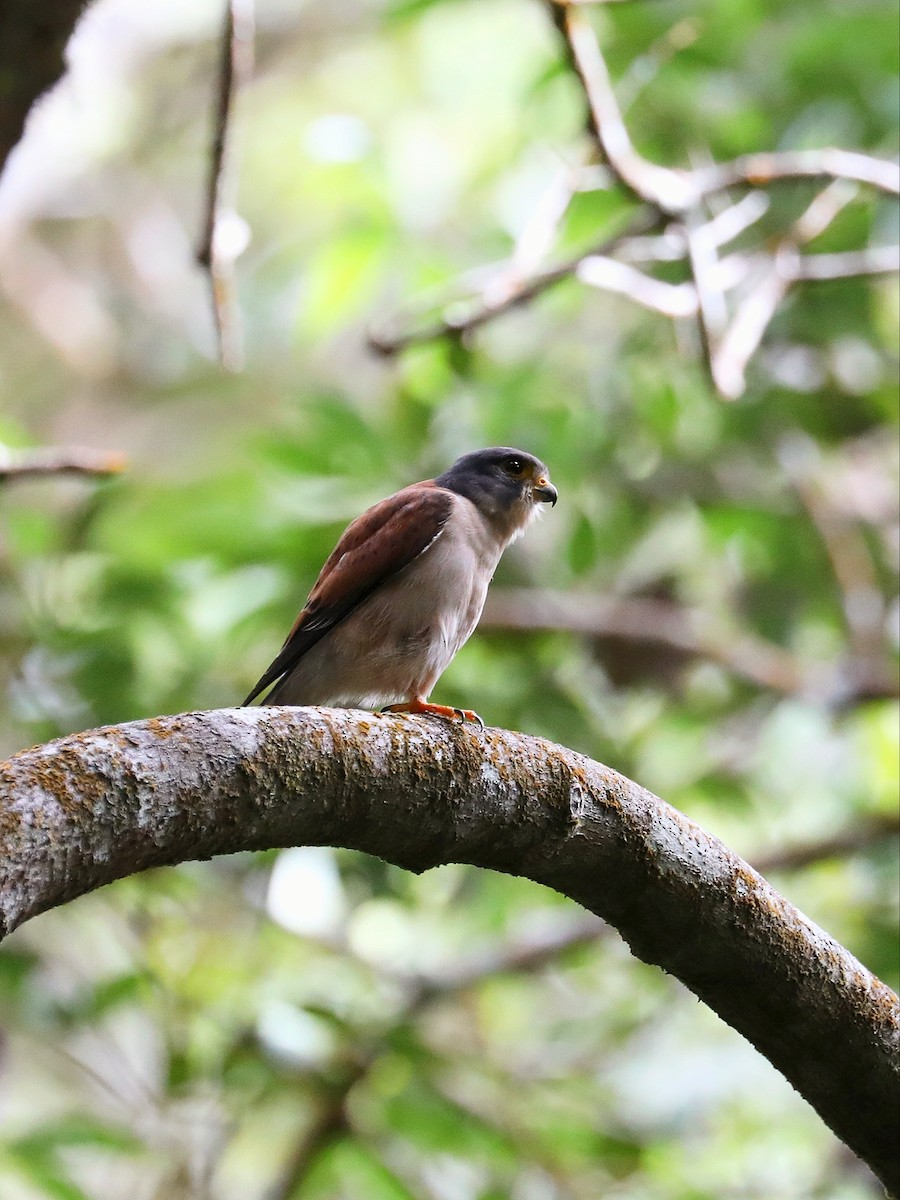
column 514, row 466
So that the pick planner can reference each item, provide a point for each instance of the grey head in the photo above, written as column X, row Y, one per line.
column 505, row 484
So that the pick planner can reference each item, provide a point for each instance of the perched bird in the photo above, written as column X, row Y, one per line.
column 404, row 588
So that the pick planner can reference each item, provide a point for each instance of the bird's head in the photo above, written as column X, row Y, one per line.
column 506, row 485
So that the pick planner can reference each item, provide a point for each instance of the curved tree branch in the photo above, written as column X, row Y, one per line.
column 83, row 811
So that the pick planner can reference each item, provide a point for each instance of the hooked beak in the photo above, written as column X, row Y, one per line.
column 544, row 492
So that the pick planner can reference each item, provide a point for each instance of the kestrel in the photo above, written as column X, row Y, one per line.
column 404, row 588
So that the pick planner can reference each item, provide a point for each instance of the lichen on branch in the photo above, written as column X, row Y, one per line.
column 88, row 809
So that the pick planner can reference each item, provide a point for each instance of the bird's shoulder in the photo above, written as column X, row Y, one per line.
column 372, row 549
column 379, row 543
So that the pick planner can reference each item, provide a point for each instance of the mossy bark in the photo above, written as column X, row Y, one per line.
column 83, row 811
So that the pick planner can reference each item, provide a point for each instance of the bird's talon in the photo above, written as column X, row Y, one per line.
column 443, row 711
column 466, row 714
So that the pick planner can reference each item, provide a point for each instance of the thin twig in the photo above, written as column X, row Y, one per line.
column 505, row 291
column 670, row 299
column 644, row 69
column 862, row 836
column 712, row 310
column 737, row 218
column 848, row 552
column 729, row 356
column 823, row 209
column 538, row 233
column 771, row 166
column 728, row 361
column 688, row 631
column 660, row 186
column 62, row 460
column 875, row 260
column 214, row 253
column 532, row 954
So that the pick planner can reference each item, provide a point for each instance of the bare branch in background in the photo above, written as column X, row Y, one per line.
column 712, row 309
column 868, row 832
column 506, row 289
column 535, row 241
column 851, row 560
column 729, row 355
column 660, row 186
column 728, row 359
column 611, row 275
column 733, row 299
column 223, row 233
column 689, row 631
column 532, row 953
column 772, row 166
column 69, row 460
column 876, row 260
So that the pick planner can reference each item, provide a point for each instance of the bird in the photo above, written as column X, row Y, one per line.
column 404, row 588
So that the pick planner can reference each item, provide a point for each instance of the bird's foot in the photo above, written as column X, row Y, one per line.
column 435, row 710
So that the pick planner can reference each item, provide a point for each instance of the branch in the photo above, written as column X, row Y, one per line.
column 83, row 811
column 27, row 464
column 33, row 38
column 222, row 237
column 728, row 360
column 678, row 191
column 729, row 355
column 727, row 341
column 662, row 187
column 690, row 631
column 507, row 289
column 333, row 1117
column 769, row 166
column 867, row 832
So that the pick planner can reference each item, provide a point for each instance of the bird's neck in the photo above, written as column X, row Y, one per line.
column 507, row 522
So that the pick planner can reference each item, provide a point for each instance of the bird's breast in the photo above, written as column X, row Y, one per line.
column 443, row 591
column 400, row 640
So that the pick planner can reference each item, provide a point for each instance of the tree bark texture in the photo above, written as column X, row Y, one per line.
column 417, row 791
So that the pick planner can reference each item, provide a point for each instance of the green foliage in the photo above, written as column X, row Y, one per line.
column 187, row 1030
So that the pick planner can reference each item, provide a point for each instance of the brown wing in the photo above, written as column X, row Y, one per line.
column 372, row 549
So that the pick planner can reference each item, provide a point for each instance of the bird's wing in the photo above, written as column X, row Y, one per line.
column 373, row 548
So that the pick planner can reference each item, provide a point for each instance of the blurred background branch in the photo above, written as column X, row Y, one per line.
column 641, row 619
column 224, row 233
column 58, row 460
column 334, row 1120
column 759, row 279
